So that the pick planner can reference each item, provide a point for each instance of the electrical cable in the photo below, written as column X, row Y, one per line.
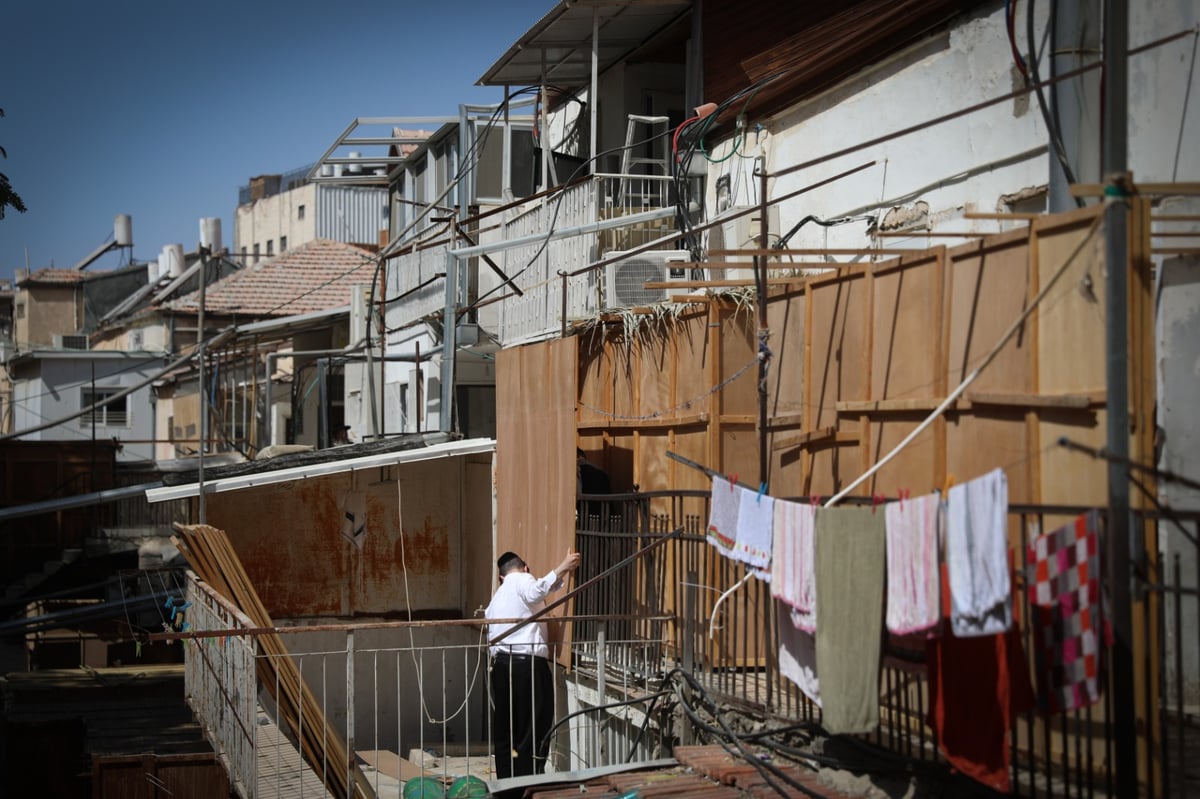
column 1052, row 130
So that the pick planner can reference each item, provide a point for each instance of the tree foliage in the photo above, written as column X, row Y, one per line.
column 8, row 197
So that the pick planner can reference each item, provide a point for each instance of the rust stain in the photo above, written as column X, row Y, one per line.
column 426, row 550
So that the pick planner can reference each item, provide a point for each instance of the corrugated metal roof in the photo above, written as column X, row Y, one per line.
column 448, row 450
column 312, row 277
column 563, row 41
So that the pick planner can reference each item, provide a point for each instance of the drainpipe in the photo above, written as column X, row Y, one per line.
column 449, row 324
column 1075, row 104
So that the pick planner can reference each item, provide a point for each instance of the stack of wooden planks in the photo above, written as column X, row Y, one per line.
column 211, row 555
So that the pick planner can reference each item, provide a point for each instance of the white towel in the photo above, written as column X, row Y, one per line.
column 913, row 579
column 723, row 515
column 792, row 575
column 798, row 657
column 977, row 556
column 756, row 520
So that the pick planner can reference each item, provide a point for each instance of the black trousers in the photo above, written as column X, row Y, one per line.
column 522, row 713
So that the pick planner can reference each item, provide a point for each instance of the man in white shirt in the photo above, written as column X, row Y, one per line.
column 522, row 682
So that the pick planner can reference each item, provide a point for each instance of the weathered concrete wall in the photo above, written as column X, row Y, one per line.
column 43, row 312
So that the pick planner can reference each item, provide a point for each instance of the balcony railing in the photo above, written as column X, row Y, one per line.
column 416, row 288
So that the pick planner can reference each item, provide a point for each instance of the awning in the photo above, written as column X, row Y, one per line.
column 471, row 446
column 562, row 41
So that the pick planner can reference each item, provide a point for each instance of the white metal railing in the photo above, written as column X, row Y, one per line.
column 539, row 264
column 220, row 683
column 415, row 281
column 421, row 692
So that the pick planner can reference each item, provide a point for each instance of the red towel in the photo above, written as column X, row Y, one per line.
column 977, row 686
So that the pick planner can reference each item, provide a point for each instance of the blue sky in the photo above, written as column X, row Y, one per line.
column 161, row 109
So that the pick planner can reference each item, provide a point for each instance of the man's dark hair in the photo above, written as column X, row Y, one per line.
column 509, row 561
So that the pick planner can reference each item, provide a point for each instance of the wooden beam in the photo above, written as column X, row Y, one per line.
column 1175, row 218
column 1073, row 400
column 1175, row 250
column 1097, row 189
column 819, row 251
column 801, row 439
column 1011, row 215
column 921, row 234
column 887, row 405
column 785, row 420
column 690, row 420
column 793, row 442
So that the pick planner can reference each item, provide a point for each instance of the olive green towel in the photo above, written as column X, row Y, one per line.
column 850, row 564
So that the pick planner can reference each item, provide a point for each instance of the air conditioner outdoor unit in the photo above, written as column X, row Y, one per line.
column 66, row 341
column 624, row 279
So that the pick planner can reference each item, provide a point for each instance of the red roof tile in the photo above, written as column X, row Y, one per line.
column 49, row 275
column 315, row 276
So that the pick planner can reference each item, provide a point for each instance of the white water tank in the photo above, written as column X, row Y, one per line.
column 123, row 230
column 152, row 272
column 174, row 253
column 163, row 270
column 354, row 169
column 210, row 233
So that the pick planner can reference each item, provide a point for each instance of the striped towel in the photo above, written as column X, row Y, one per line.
column 913, row 574
column 723, row 515
column 792, row 578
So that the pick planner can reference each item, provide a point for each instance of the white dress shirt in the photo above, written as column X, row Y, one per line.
column 519, row 596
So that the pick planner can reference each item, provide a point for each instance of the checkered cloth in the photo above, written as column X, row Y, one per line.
column 1067, row 610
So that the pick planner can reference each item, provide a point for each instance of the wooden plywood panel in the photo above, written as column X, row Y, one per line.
column 833, row 467
column 1071, row 318
column 623, row 374
column 691, row 362
column 535, row 451
column 655, row 365
column 839, row 308
column 1072, row 478
column 978, row 442
column 988, row 288
column 906, row 325
column 594, row 382
column 692, row 444
column 621, row 462
column 653, row 464
column 785, row 320
column 739, row 454
column 738, row 346
column 913, row 469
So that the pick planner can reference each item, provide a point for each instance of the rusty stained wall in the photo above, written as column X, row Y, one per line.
column 290, row 538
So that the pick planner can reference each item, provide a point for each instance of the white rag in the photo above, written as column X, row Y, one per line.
column 798, row 657
column 723, row 515
column 977, row 556
column 913, row 576
column 793, row 579
column 756, row 519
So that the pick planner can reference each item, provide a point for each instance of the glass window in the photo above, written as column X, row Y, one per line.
column 111, row 414
column 299, row 211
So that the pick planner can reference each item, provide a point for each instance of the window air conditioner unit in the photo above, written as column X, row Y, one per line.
column 70, row 341
column 624, row 279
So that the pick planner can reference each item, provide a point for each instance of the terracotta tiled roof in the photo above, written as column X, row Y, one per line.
column 315, row 276
column 49, row 275
column 406, row 149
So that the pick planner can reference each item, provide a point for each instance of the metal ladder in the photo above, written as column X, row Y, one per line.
column 628, row 160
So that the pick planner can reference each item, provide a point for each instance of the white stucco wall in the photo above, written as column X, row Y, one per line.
column 275, row 216
column 56, row 391
column 968, row 164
